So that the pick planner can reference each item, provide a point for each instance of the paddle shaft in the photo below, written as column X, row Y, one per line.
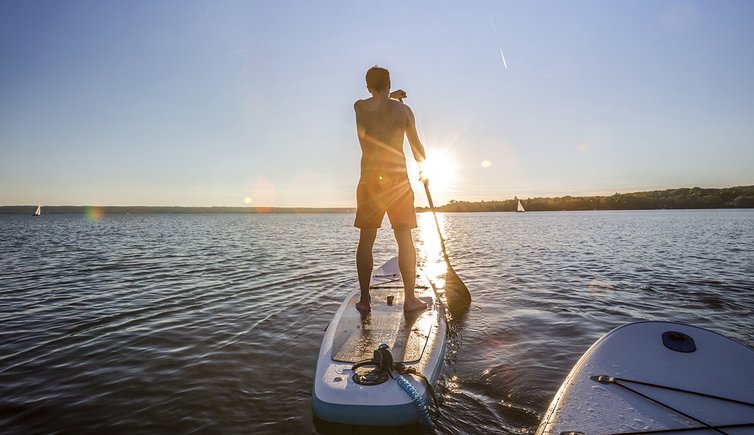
column 457, row 293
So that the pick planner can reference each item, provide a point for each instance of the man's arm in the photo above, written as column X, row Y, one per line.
column 413, row 137
column 360, row 130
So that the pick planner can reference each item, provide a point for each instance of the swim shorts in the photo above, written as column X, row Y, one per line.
column 380, row 194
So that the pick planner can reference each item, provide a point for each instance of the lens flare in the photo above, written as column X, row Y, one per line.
column 600, row 287
column 93, row 214
column 263, row 193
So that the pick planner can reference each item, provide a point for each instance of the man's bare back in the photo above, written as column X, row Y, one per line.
column 381, row 125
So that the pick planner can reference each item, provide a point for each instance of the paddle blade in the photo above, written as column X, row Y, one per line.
column 456, row 292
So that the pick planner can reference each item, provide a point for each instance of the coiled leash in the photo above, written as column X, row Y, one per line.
column 384, row 365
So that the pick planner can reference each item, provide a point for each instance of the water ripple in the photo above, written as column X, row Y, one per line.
column 192, row 323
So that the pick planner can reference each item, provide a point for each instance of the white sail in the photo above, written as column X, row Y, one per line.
column 520, row 207
column 38, row 211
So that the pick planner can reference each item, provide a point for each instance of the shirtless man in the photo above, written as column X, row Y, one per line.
column 381, row 123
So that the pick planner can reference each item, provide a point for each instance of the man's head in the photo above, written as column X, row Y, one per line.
column 378, row 79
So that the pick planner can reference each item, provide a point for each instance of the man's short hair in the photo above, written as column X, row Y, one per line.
column 378, row 78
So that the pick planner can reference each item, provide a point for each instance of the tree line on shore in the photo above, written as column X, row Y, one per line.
column 683, row 198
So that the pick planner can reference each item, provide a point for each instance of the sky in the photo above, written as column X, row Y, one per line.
column 251, row 103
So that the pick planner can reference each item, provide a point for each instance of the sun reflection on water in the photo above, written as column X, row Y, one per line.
column 429, row 249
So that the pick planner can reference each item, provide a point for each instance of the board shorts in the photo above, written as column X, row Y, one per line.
column 380, row 194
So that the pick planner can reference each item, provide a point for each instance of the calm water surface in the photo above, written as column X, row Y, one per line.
column 212, row 323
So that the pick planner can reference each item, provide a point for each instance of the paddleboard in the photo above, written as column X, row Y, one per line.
column 657, row 377
column 345, row 395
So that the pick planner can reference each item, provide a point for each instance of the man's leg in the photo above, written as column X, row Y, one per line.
column 364, row 265
column 407, row 265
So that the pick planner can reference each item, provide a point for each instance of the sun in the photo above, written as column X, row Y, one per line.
column 440, row 169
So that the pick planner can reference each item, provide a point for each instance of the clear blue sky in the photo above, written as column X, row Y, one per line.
column 214, row 103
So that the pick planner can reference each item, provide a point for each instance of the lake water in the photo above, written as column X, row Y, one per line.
column 212, row 323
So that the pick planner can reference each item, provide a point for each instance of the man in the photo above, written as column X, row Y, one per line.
column 381, row 123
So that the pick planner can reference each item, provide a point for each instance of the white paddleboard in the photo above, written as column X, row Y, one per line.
column 629, row 380
column 418, row 341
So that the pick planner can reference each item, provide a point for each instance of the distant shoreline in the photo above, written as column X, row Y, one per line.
column 108, row 209
column 673, row 199
column 682, row 198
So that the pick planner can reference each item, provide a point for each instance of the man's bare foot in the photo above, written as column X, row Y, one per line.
column 364, row 307
column 414, row 304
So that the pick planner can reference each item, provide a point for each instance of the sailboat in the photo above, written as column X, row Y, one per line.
column 520, row 207
column 38, row 211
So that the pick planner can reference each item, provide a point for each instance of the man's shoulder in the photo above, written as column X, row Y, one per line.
column 397, row 104
column 361, row 103
column 368, row 104
column 361, row 106
column 404, row 108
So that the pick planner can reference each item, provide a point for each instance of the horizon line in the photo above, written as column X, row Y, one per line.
column 268, row 208
column 248, row 207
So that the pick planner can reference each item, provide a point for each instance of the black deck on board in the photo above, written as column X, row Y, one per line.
column 356, row 337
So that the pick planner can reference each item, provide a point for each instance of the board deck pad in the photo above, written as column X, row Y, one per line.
column 356, row 338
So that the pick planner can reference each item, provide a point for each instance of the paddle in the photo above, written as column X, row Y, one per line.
column 456, row 292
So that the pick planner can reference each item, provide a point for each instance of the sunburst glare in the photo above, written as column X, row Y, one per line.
column 440, row 169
